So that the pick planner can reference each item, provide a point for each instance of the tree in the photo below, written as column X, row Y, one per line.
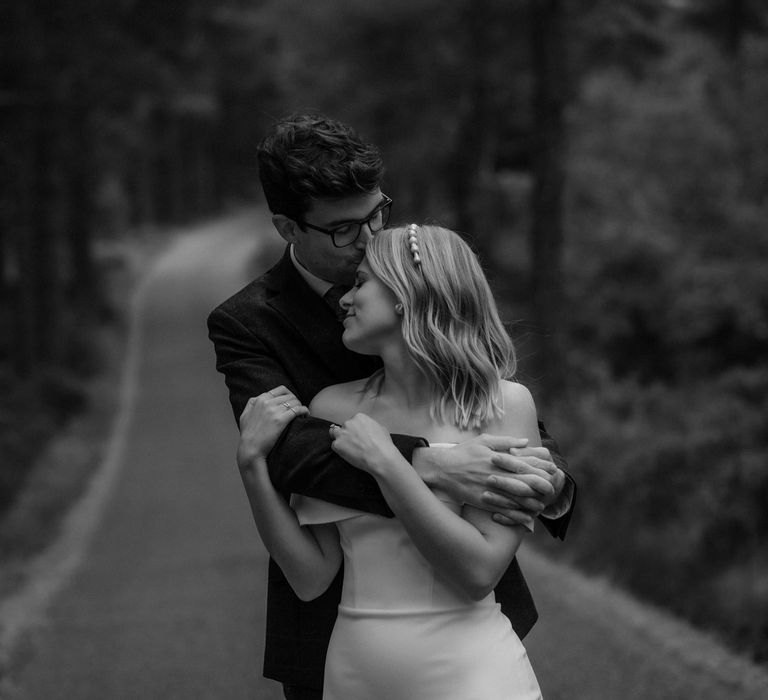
column 550, row 93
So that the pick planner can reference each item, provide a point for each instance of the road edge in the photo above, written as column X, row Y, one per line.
column 696, row 649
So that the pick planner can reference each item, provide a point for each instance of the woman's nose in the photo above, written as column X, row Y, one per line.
column 346, row 301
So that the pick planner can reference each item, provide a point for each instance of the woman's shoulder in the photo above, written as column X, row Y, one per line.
column 515, row 394
column 519, row 417
column 338, row 401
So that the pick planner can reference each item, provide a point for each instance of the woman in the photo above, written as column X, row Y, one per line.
column 418, row 618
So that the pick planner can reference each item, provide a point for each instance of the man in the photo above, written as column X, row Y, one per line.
column 322, row 184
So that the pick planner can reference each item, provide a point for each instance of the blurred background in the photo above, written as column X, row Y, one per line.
column 608, row 159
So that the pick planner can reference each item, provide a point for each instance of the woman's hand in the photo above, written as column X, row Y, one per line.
column 365, row 444
column 261, row 422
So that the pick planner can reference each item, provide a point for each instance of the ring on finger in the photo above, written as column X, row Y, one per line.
column 290, row 408
column 286, row 404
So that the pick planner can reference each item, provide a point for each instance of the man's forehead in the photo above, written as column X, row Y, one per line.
column 337, row 211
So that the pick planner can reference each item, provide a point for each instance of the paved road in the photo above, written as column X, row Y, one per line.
column 169, row 601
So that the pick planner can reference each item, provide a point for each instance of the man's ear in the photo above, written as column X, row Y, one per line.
column 285, row 227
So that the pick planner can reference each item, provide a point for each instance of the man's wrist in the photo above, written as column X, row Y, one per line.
column 562, row 504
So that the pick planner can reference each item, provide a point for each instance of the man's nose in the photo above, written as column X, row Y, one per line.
column 365, row 237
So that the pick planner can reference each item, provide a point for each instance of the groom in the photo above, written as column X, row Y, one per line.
column 322, row 184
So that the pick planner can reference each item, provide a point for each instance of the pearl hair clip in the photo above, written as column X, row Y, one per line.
column 413, row 243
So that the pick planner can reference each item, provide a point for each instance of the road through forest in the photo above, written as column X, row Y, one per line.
column 167, row 600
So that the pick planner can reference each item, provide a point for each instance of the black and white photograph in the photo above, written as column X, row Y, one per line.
column 384, row 350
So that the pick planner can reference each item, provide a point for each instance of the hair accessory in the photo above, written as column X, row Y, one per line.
column 413, row 243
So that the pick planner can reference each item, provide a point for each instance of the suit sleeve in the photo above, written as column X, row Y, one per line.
column 302, row 460
column 558, row 526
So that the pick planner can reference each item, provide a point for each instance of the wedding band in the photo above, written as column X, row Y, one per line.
column 286, row 404
column 290, row 408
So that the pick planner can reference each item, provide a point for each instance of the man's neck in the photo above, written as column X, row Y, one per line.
column 317, row 285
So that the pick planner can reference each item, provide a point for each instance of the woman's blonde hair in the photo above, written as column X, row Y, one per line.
column 451, row 325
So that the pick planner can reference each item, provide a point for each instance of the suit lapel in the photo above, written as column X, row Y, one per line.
column 311, row 317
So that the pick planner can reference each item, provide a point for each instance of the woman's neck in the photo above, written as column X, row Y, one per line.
column 403, row 383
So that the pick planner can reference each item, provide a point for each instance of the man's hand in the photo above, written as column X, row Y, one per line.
column 523, row 467
column 498, row 474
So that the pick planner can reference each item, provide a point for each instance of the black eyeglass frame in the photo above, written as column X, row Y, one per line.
column 382, row 207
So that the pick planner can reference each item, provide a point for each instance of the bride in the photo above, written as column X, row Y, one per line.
column 418, row 617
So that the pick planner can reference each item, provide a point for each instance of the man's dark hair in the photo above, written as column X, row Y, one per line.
column 309, row 156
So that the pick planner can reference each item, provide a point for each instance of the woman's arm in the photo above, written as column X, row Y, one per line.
column 472, row 550
column 532, row 480
column 308, row 556
column 301, row 460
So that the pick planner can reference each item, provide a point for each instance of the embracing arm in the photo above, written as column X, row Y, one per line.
column 301, row 460
column 308, row 556
column 557, row 515
column 472, row 549
column 514, row 479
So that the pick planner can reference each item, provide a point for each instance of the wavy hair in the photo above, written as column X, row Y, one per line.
column 451, row 324
column 310, row 156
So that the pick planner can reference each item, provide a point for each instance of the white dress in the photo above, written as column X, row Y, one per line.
column 403, row 632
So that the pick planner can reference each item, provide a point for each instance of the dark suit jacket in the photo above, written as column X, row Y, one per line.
column 278, row 331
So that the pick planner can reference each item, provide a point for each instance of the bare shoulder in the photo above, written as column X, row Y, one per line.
column 519, row 419
column 516, row 395
column 338, row 401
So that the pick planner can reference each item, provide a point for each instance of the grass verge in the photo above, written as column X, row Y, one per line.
column 71, row 453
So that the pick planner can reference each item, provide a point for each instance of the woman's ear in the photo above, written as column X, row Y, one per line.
column 399, row 309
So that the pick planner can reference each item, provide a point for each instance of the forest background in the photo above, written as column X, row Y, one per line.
column 608, row 159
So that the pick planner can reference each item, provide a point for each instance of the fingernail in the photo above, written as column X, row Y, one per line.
column 492, row 481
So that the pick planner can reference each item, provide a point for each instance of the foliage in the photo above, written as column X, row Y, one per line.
column 135, row 112
column 666, row 418
column 111, row 119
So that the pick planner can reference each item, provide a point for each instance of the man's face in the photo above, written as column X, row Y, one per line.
column 315, row 250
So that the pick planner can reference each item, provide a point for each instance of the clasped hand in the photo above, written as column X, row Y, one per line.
column 365, row 444
column 503, row 475
column 262, row 420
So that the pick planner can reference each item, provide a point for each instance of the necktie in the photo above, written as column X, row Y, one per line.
column 332, row 297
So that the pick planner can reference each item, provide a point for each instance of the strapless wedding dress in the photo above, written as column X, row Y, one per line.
column 402, row 632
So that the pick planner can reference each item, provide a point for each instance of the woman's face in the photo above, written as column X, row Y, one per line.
column 371, row 318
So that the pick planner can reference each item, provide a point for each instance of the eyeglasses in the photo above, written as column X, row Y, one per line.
column 346, row 234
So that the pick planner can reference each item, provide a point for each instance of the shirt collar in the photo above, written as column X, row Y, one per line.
column 317, row 285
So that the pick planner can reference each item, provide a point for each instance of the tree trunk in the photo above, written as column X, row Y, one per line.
column 80, row 205
column 546, row 242
column 475, row 127
column 40, row 277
